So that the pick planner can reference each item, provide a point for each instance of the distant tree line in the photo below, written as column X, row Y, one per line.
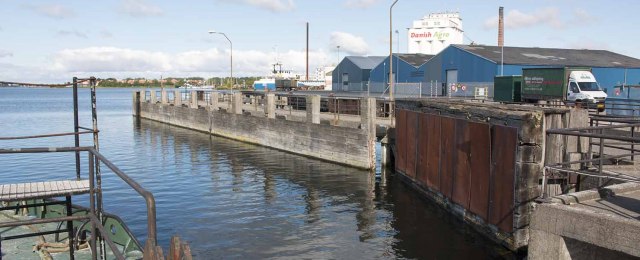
column 172, row 82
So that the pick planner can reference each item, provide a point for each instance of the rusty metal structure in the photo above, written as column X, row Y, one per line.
column 42, row 194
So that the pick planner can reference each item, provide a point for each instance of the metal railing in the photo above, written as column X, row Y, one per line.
column 95, row 197
column 286, row 103
column 622, row 107
column 617, row 137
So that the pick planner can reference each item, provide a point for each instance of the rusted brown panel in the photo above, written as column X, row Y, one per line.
column 423, row 144
column 480, row 154
column 503, row 149
column 433, row 151
column 401, row 135
column 447, row 128
column 461, row 171
column 411, row 139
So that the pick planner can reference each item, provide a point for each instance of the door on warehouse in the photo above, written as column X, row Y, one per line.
column 452, row 80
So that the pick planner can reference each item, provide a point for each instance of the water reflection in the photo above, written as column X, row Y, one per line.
column 236, row 200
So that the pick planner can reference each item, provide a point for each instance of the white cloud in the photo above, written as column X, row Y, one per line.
column 140, row 8
column 76, row 33
column 360, row 3
column 271, row 5
column 109, row 59
column 119, row 62
column 515, row 19
column 348, row 43
column 5, row 53
column 52, row 10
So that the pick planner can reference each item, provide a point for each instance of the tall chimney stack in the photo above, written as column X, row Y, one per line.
column 501, row 27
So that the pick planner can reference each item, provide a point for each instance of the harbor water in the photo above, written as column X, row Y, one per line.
column 230, row 199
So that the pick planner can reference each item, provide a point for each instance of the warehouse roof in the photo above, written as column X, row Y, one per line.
column 549, row 56
column 415, row 59
column 366, row 62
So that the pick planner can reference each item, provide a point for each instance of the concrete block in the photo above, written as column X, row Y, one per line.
column 213, row 101
column 236, row 105
column 142, row 96
column 544, row 245
column 529, row 194
column 531, row 130
column 153, row 98
column 313, row 109
column 163, row 97
column 177, row 98
column 529, row 153
column 193, row 99
column 270, row 106
column 528, row 175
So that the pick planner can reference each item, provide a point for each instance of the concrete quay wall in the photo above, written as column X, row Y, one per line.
column 349, row 146
column 580, row 226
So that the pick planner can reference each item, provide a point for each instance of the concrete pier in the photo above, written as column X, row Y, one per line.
column 353, row 146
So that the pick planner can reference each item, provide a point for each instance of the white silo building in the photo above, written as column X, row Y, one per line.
column 434, row 32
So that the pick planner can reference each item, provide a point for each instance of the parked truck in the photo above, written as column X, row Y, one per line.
column 563, row 84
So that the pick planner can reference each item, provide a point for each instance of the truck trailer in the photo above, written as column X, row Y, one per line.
column 573, row 84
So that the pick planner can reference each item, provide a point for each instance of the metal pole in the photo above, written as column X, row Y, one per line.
column 75, row 124
column 391, row 88
column 96, row 146
column 92, row 208
column 601, row 151
column 397, row 57
column 633, row 130
column 307, row 51
column 230, row 54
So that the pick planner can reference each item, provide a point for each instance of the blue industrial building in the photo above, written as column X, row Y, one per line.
column 476, row 66
column 352, row 73
column 407, row 68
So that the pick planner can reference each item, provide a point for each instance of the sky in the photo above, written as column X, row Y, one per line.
column 53, row 41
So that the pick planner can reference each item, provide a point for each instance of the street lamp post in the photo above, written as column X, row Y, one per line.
column 398, row 53
column 391, row 88
column 339, row 70
column 230, row 53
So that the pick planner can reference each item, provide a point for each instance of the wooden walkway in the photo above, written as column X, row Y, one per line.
column 41, row 190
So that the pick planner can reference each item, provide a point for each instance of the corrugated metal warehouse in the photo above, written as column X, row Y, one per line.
column 476, row 65
column 352, row 73
column 407, row 68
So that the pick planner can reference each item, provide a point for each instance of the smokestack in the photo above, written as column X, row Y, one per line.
column 501, row 27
